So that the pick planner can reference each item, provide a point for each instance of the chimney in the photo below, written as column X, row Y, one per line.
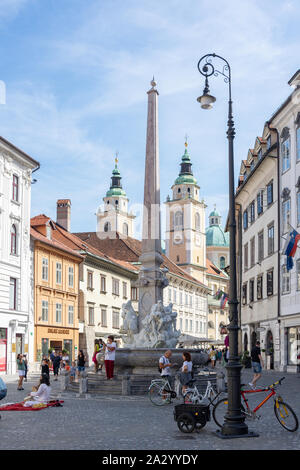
column 63, row 213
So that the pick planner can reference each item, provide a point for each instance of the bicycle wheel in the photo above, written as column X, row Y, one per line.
column 190, row 397
column 286, row 416
column 219, row 411
column 158, row 396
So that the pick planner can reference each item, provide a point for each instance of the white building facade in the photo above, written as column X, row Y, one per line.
column 286, row 120
column 16, row 307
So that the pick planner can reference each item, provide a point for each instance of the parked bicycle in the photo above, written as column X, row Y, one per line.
column 160, row 392
column 283, row 412
column 193, row 396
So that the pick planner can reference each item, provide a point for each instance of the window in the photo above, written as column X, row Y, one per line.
column 259, row 155
column 45, row 269
column 103, row 284
column 286, row 211
column 270, row 193
column 191, row 300
column 270, row 282
column 45, row 307
column 293, row 335
column 298, row 274
column 58, row 310
column 91, row 315
column 125, row 229
column 115, row 286
column 125, row 290
column 286, row 280
column 197, row 221
column 270, row 239
column 260, row 246
column 260, row 198
column 90, row 280
column 245, row 219
column 174, row 296
column 252, row 252
column 13, row 240
column 134, row 293
column 103, row 317
column 71, row 276
column 222, row 262
column 186, row 325
column 191, row 325
column 71, row 314
column 180, row 324
column 186, row 299
column 13, row 293
column 259, row 287
column 178, row 220
column 181, row 298
column 15, row 188
column 244, row 296
column 251, row 290
column 252, row 212
column 107, row 227
column 269, row 142
column 115, row 319
column 285, row 149
column 298, row 143
column 246, row 256
column 251, row 165
column 58, row 273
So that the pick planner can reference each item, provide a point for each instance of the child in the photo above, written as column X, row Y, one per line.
column 67, row 366
column 45, row 368
column 72, row 372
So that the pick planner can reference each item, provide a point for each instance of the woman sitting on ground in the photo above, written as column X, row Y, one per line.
column 42, row 395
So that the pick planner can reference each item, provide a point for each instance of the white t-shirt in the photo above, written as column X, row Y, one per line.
column 43, row 394
column 189, row 366
column 110, row 355
column 166, row 370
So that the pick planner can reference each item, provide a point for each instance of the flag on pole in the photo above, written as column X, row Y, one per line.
column 224, row 299
column 218, row 294
column 290, row 248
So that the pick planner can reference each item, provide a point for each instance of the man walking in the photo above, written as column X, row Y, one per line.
column 56, row 364
column 257, row 364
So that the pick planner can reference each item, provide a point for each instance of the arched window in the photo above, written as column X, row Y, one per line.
column 178, row 219
column 107, row 227
column 222, row 262
column 13, row 240
column 125, row 229
column 285, row 149
column 197, row 221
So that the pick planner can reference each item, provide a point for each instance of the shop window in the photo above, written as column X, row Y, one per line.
column 294, row 346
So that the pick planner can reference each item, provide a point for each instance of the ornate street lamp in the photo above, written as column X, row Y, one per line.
column 234, row 420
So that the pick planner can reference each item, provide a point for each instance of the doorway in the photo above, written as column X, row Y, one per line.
column 270, row 348
column 19, row 343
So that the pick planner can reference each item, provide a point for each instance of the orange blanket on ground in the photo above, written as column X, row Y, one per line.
column 20, row 406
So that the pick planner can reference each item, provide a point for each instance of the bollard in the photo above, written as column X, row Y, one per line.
column 64, row 379
column 221, row 386
column 83, row 383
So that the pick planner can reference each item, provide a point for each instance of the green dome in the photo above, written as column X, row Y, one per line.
column 115, row 192
column 116, row 186
column 214, row 213
column 215, row 236
column 186, row 179
column 186, row 175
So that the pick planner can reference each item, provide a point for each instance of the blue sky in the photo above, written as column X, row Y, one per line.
column 77, row 72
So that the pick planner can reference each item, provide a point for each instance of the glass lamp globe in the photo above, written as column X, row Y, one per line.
column 206, row 101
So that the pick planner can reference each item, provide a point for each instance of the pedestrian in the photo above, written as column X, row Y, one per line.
column 186, row 371
column 109, row 358
column 65, row 358
column 94, row 358
column 56, row 364
column 257, row 364
column 45, row 367
column 164, row 366
column 213, row 357
column 26, row 367
column 100, row 355
column 3, row 389
column 80, row 362
column 21, row 371
column 72, row 371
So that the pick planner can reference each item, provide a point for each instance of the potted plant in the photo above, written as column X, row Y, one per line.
column 246, row 359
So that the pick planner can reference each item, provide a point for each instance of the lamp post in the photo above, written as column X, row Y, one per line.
column 234, row 420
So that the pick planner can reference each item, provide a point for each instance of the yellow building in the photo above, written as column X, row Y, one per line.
column 56, row 288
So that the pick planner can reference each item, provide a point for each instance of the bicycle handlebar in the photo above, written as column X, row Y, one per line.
column 277, row 383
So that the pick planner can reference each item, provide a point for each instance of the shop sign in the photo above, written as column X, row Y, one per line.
column 58, row 331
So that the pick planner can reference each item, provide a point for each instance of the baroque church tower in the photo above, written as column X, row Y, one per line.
column 115, row 216
column 185, row 224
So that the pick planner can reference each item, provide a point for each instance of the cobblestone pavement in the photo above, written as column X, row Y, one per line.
column 129, row 423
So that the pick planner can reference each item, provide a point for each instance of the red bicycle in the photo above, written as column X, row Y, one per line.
column 283, row 412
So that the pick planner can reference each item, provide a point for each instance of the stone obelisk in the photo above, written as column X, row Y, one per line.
column 151, row 279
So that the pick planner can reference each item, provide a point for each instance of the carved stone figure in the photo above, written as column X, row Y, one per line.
column 130, row 321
